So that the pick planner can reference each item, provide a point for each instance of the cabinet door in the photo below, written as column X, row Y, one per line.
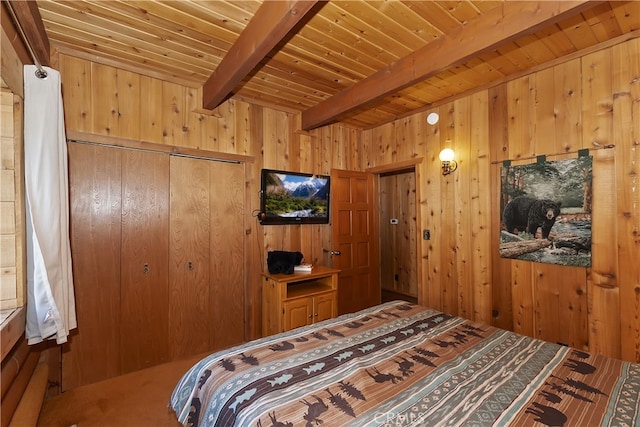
column 189, row 275
column 93, row 350
column 145, row 272
column 324, row 307
column 298, row 312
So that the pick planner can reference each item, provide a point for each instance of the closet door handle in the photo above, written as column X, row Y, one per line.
column 145, row 268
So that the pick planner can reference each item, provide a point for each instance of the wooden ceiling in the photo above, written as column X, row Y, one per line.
column 361, row 63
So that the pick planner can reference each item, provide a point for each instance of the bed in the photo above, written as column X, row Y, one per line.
column 400, row 364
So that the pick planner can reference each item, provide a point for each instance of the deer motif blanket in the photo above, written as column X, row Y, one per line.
column 401, row 364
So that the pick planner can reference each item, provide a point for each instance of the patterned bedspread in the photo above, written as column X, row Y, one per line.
column 400, row 364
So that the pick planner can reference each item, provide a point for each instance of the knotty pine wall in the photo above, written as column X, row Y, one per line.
column 552, row 111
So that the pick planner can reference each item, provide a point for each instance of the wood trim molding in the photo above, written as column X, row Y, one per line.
column 398, row 166
column 90, row 138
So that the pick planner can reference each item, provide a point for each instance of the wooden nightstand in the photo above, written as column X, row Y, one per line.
column 298, row 299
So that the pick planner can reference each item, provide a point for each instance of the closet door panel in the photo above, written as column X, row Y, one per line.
column 145, row 247
column 227, row 253
column 92, row 352
column 189, row 321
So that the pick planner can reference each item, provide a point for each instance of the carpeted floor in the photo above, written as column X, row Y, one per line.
column 138, row 399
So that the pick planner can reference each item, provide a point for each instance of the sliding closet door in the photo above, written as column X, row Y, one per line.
column 206, row 312
column 189, row 322
column 93, row 350
column 145, row 256
column 227, row 253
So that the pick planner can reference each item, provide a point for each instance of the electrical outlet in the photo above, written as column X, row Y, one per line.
column 426, row 235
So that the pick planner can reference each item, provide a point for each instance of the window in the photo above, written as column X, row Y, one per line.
column 12, row 292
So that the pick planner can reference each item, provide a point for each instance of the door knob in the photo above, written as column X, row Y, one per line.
column 336, row 253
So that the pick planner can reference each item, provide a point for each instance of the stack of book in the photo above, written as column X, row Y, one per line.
column 303, row 268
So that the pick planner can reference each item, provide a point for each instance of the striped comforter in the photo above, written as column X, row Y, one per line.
column 400, row 364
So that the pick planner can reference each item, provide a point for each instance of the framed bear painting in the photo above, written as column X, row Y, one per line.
column 545, row 210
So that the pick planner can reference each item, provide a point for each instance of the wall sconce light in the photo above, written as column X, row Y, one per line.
column 448, row 164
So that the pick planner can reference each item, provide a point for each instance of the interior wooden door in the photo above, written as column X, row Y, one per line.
column 355, row 243
column 93, row 350
column 145, row 259
column 190, row 326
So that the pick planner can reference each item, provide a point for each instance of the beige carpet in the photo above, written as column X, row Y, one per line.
column 138, row 399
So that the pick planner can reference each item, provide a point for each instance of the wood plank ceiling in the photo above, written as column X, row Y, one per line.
column 361, row 63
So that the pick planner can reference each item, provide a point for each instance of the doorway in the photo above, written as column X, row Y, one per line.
column 398, row 231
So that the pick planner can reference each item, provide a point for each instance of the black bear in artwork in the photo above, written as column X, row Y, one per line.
column 527, row 214
column 283, row 262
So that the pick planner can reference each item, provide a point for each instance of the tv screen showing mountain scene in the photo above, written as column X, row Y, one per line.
column 294, row 198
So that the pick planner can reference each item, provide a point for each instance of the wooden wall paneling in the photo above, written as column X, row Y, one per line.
column 431, row 215
column 173, row 114
column 520, row 108
column 461, row 144
column 338, row 151
column 602, row 292
column 93, row 350
column 276, row 156
column 354, row 149
column 498, row 123
column 189, row 326
column 243, row 129
column 302, row 143
column 76, row 78
column 480, row 208
column 549, row 114
column 603, row 280
column 104, row 100
column 447, row 217
column 151, row 126
column 626, row 87
column 145, row 247
column 128, row 113
column 194, row 118
column 568, row 101
column 546, row 302
column 574, row 307
column 226, row 126
column 227, row 254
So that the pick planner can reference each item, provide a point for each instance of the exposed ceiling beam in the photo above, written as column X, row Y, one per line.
column 503, row 24
column 271, row 23
column 30, row 22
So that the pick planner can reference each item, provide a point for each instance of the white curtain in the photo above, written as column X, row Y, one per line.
column 51, row 311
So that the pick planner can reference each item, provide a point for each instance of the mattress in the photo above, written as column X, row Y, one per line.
column 401, row 364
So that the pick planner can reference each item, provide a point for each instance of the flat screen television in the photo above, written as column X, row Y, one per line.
column 293, row 198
